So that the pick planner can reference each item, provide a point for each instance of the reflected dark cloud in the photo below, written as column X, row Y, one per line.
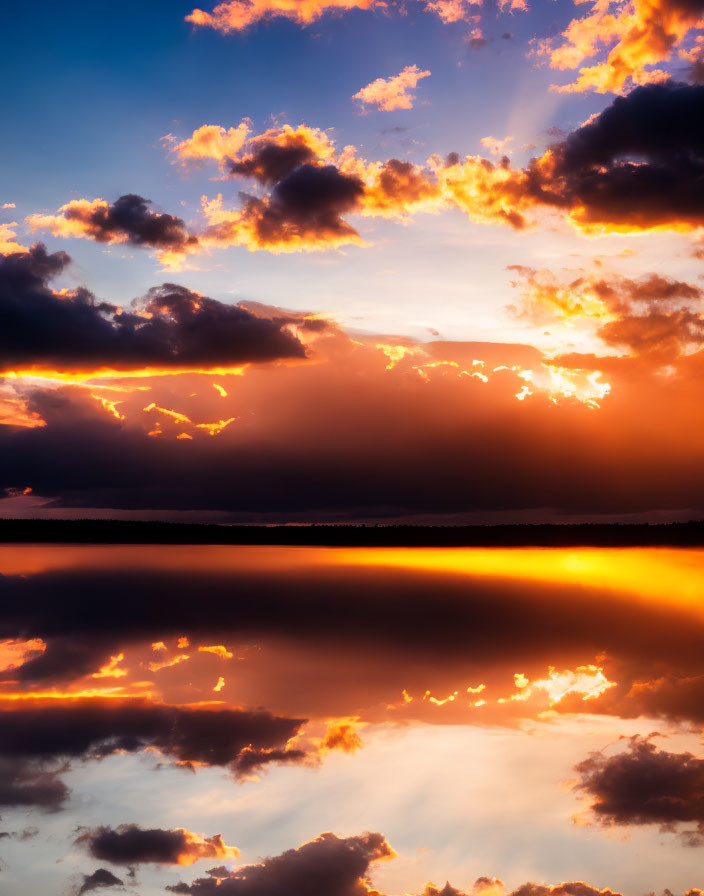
column 329, row 864
column 28, row 785
column 98, row 880
column 646, row 785
column 131, row 845
column 85, row 727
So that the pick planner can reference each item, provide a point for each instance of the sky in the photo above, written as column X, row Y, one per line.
column 352, row 260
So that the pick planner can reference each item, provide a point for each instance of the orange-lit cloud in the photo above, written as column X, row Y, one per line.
column 217, row 650
column 14, row 652
column 210, row 142
column 112, row 669
column 342, row 734
column 15, row 411
column 168, row 663
column 236, row 15
column 387, row 94
column 653, row 317
column 258, row 156
column 451, row 10
column 628, row 41
column 589, row 682
column 311, row 188
column 308, row 196
column 8, row 243
column 496, row 146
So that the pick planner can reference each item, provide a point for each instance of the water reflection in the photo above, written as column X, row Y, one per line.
column 439, row 696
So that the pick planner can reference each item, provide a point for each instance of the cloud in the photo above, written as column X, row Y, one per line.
column 388, row 94
column 659, row 335
column 97, row 880
column 645, row 785
column 268, row 156
column 637, row 166
column 307, row 193
column 496, row 146
column 171, row 327
column 209, row 142
column 627, row 40
column 634, row 167
column 131, row 845
column 95, row 728
column 652, row 317
column 476, row 39
column 303, row 213
column 273, row 155
column 127, row 220
column 575, row 888
column 237, row 15
column 250, row 760
column 30, row 785
column 451, row 10
column 8, row 243
column 297, row 462
column 329, row 864
column 340, row 867
column 341, row 734
column 321, row 458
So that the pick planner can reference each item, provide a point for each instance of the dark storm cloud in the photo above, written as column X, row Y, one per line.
column 639, row 163
column 645, row 785
column 131, row 845
column 129, row 219
column 211, row 736
column 170, row 327
column 97, row 880
column 331, row 865
column 270, row 162
column 307, row 204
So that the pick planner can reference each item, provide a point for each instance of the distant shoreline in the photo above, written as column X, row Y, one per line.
column 690, row 534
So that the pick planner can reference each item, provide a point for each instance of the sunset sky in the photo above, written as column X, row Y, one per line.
column 323, row 260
